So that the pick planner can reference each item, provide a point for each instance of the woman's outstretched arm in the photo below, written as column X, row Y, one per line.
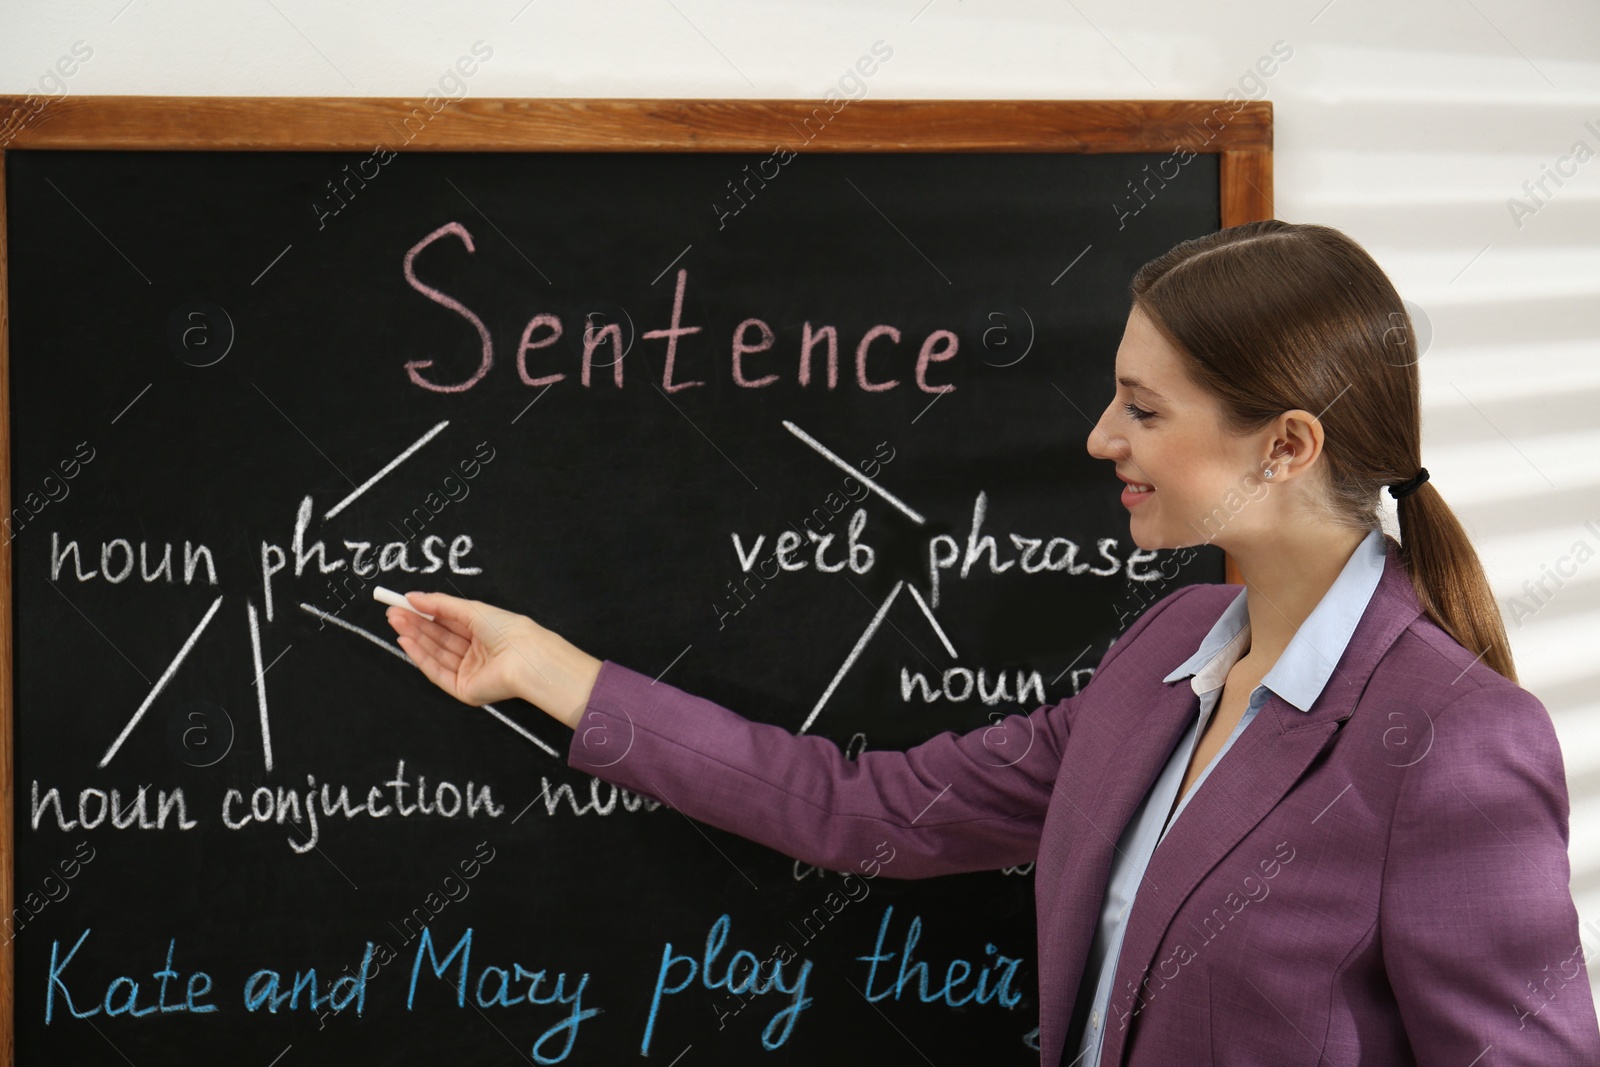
column 956, row 802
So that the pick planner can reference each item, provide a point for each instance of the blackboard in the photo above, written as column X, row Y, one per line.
column 237, row 379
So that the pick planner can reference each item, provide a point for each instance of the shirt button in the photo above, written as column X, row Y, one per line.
column 1094, row 1019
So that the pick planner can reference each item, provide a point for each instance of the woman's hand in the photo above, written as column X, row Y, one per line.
column 479, row 654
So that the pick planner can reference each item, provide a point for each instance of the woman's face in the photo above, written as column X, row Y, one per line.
column 1163, row 431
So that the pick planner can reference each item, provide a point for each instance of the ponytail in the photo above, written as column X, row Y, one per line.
column 1449, row 580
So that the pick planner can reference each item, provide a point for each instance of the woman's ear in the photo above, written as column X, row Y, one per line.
column 1297, row 441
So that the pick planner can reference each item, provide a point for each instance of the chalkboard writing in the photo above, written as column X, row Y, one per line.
column 822, row 461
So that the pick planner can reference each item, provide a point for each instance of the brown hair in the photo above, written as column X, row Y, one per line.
column 1277, row 315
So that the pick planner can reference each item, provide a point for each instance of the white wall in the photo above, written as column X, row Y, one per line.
column 1406, row 124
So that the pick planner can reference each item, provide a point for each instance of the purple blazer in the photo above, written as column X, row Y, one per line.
column 1381, row 880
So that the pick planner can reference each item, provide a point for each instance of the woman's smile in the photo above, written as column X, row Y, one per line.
column 1135, row 493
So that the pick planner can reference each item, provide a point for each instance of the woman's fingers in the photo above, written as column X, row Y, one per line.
column 447, row 647
column 451, row 614
column 446, row 631
column 449, row 639
column 454, row 612
column 440, row 634
column 468, row 618
column 450, row 661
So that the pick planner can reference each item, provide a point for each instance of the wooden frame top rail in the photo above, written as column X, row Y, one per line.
column 629, row 125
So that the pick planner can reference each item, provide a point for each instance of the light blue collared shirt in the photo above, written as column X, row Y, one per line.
column 1298, row 677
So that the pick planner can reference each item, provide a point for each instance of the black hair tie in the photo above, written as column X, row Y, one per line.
column 1401, row 489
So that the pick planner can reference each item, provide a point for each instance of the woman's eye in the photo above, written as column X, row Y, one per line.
column 1137, row 412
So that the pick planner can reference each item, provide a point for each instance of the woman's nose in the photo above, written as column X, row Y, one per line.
column 1102, row 445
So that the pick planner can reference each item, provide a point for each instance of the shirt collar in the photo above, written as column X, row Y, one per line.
column 1305, row 666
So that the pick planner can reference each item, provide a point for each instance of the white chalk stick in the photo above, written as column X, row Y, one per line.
column 395, row 600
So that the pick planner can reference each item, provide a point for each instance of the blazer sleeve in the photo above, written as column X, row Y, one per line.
column 1479, row 932
column 956, row 802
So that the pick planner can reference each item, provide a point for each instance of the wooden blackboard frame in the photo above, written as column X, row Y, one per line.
column 1240, row 131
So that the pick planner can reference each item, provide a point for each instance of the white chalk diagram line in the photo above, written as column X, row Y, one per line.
column 849, row 661
column 389, row 647
column 393, row 463
column 923, row 604
column 833, row 458
column 497, row 713
column 395, row 650
column 261, row 683
column 166, row 676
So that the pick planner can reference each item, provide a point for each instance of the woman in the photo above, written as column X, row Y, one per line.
column 1374, row 868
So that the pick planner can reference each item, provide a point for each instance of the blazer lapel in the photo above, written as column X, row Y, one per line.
column 1076, row 853
column 1265, row 762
